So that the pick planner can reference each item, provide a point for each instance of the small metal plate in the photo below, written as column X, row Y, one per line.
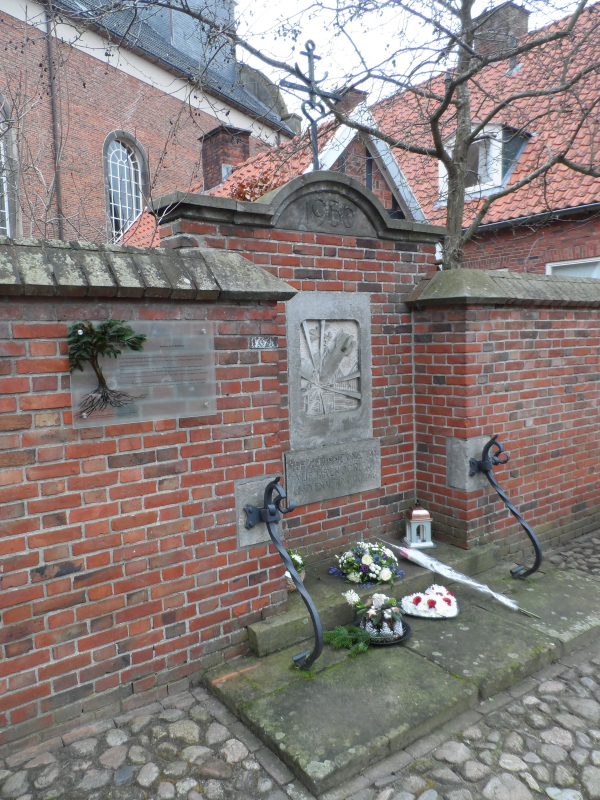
column 263, row 343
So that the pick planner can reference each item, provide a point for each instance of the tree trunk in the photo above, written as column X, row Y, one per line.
column 99, row 374
column 457, row 169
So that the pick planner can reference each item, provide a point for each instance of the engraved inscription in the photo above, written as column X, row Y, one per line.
column 329, row 210
column 338, row 471
column 330, row 372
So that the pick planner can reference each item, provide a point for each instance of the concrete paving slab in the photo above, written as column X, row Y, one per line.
column 351, row 714
column 568, row 603
column 483, row 648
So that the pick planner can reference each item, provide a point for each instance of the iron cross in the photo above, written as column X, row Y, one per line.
column 312, row 104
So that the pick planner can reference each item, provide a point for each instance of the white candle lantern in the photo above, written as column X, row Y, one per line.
column 418, row 528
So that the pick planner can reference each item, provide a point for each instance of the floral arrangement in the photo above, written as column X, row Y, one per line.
column 368, row 563
column 300, row 565
column 381, row 623
column 381, row 615
column 297, row 560
column 436, row 602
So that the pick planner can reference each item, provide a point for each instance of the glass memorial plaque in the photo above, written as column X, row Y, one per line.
column 172, row 377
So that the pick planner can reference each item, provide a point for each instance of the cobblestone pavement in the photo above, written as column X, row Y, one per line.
column 582, row 553
column 539, row 739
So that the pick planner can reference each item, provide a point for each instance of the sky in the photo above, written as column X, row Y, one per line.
column 375, row 37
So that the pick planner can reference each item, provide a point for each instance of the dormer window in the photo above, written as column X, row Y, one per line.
column 490, row 161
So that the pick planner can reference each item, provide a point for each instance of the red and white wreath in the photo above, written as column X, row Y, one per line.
column 437, row 602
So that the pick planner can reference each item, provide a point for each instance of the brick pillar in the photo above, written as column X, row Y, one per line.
column 514, row 355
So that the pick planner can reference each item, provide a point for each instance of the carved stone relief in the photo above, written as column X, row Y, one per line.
column 329, row 356
column 329, row 368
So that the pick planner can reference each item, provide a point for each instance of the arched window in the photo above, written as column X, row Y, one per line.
column 124, row 186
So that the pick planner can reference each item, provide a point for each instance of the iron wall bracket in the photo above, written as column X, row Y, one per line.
column 500, row 456
column 271, row 513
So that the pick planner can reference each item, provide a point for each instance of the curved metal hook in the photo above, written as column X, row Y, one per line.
column 500, row 456
column 271, row 514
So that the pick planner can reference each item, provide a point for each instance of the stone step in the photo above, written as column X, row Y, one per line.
column 346, row 714
column 294, row 626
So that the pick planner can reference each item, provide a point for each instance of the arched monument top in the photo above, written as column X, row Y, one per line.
column 330, row 202
column 319, row 202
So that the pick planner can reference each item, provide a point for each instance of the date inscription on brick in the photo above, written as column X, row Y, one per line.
column 324, row 473
column 263, row 343
column 172, row 377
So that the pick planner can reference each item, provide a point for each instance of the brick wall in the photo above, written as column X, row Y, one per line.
column 387, row 271
column 529, row 249
column 120, row 569
column 530, row 375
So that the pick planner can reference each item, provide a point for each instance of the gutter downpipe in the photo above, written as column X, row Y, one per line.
column 55, row 136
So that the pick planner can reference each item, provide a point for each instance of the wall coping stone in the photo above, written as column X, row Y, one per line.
column 268, row 209
column 81, row 269
column 489, row 287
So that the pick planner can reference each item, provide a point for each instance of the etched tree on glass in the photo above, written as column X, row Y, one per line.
column 88, row 344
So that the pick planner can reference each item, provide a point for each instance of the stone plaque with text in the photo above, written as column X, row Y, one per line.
column 324, row 473
column 172, row 377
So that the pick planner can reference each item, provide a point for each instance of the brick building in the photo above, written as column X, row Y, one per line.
column 101, row 112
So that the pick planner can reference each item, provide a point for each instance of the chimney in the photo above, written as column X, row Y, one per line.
column 500, row 29
column 294, row 122
column 223, row 148
column 350, row 99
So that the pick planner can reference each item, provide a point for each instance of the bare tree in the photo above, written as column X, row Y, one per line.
column 467, row 92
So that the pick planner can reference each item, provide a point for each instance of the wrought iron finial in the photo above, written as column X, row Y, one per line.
column 311, row 87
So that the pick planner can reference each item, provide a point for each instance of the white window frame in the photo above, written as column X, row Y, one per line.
column 4, row 196
column 492, row 134
column 129, row 194
column 552, row 265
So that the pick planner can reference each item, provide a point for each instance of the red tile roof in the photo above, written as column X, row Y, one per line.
column 272, row 169
column 143, row 233
column 549, row 122
column 404, row 116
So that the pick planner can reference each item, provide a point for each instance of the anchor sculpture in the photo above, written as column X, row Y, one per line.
column 500, row 456
column 271, row 513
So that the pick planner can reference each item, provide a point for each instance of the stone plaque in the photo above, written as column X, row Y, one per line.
column 250, row 492
column 173, row 376
column 326, row 212
column 324, row 473
column 329, row 356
